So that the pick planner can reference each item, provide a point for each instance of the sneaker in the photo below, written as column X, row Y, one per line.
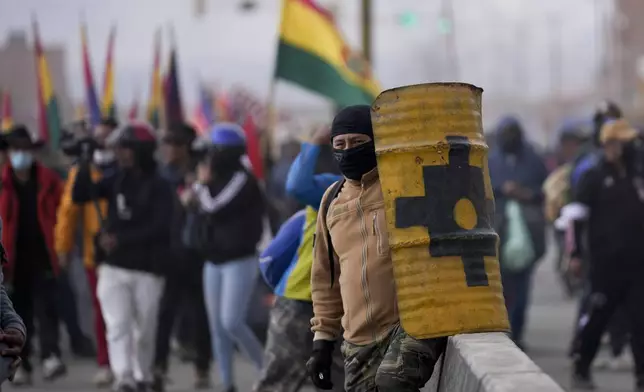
column 125, row 387
column 53, row 368
column 202, row 380
column 621, row 363
column 104, row 377
column 21, row 378
column 582, row 382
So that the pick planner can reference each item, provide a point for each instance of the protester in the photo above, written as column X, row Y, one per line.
column 286, row 265
column 74, row 218
column 557, row 193
column 609, row 204
column 4, row 151
column 517, row 174
column 13, row 332
column 29, row 197
column 183, row 293
column 619, row 328
column 134, row 242
column 227, row 224
column 377, row 351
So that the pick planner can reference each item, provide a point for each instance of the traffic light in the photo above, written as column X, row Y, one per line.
column 408, row 19
column 444, row 26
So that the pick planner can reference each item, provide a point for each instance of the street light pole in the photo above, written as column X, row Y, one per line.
column 366, row 30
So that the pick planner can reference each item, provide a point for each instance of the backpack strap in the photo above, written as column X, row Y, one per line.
column 335, row 191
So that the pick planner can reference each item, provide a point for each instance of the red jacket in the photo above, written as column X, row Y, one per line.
column 50, row 188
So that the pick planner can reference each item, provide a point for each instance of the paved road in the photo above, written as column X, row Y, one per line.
column 548, row 336
column 549, row 331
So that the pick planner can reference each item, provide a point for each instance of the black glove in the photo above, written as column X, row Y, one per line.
column 319, row 365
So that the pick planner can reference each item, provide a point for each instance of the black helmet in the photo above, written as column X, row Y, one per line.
column 134, row 135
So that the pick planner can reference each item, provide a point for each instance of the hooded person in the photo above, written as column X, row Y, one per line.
column 225, row 225
column 517, row 174
column 352, row 242
column 182, row 303
column 29, row 198
column 132, row 250
column 78, row 225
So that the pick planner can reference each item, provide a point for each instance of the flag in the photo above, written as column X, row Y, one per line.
column 173, row 109
column 108, row 108
column 313, row 54
column 155, row 100
column 253, row 147
column 133, row 113
column 91, row 99
column 7, row 114
column 49, row 129
column 204, row 115
column 221, row 105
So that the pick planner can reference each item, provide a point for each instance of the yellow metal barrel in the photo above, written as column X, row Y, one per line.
column 439, row 205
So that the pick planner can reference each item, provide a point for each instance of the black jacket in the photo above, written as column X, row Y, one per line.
column 615, row 223
column 227, row 223
column 140, row 211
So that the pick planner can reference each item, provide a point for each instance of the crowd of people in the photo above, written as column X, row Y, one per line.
column 168, row 226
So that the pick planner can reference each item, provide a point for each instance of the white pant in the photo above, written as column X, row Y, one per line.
column 130, row 304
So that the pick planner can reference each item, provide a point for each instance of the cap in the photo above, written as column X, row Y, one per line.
column 619, row 130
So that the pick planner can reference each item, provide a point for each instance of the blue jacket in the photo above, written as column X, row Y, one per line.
column 302, row 183
column 279, row 260
column 280, row 253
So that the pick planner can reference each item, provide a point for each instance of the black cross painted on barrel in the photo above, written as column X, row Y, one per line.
column 444, row 187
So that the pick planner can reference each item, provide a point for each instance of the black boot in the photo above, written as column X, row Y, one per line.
column 581, row 379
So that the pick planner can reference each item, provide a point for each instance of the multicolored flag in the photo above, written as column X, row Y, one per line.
column 108, row 108
column 204, row 115
column 313, row 54
column 253, row 146
column 7, row 112
column 155, row 101
column 222, row 107
column 48, row 115
column 172, row 99
column 91, row 99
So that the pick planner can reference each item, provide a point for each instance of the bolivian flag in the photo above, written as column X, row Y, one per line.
column 313, row 54
column 48, row 115
column 156, row 90
column 108, row 107
column 6, row 115
column 90, row 92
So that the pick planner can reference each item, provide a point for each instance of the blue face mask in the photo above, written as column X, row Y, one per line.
column 21, row 160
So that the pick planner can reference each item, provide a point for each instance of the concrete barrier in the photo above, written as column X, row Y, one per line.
column 488, row 362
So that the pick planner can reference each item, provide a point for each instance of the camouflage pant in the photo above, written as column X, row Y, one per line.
column 397, row 363
column 289, row 346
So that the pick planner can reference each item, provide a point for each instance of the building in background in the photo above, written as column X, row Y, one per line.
column 18, row 76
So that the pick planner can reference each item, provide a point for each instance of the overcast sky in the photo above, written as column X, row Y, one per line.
column 229, row 47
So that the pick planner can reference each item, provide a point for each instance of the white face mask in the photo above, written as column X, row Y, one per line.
column 21, row 160
column 103, row 157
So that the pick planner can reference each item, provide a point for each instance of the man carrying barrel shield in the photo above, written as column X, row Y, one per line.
column 372, row 273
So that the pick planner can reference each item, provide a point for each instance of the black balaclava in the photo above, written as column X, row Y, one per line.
column 357, row 161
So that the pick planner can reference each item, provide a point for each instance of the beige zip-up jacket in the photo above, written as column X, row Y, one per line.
column 362, row 300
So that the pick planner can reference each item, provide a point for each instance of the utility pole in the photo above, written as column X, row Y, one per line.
column 451, row 53
column 366, row 30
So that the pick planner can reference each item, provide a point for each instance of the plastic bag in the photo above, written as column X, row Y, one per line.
column 517, row 251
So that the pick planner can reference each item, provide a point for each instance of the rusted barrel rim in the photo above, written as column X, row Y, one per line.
column 435, row 84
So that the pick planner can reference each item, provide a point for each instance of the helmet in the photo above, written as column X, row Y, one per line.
column 227, row 135
column 134, row 134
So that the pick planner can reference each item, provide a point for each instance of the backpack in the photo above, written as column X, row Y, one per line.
column 335, row 191
column 556, row 190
